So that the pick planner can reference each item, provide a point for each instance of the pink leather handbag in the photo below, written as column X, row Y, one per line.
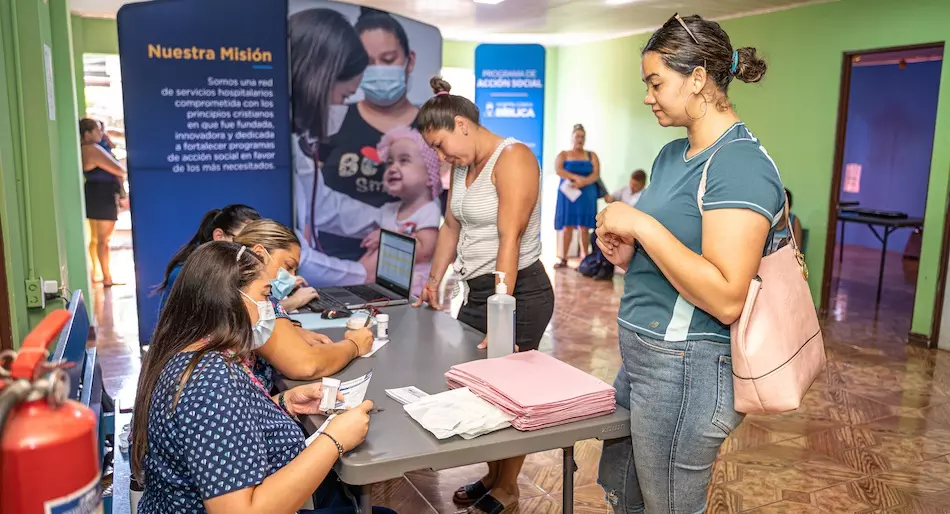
column 777, row 348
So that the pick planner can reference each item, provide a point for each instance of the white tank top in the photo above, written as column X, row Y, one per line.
column 476, row 208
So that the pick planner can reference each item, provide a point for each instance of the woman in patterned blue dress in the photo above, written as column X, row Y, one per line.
column 580, row 169
column 207, row 436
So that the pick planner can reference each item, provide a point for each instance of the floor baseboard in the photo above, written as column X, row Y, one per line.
column 915, row 339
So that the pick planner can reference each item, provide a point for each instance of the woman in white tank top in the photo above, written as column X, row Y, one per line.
column 493, row 223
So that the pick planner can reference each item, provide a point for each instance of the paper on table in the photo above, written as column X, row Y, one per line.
column 354, row 391
column 406, row 395
column 457, row 412
column 313, row 437
column 377, row 344
column 571, row 192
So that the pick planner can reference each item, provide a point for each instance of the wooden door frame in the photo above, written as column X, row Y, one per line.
column 6, row 323
column 844, row 98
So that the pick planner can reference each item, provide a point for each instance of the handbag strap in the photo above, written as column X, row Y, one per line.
column 788, row 221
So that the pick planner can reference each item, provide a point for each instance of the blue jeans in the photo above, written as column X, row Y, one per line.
column 681, row 410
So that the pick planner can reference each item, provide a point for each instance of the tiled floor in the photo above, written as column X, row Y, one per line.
column 873, row 434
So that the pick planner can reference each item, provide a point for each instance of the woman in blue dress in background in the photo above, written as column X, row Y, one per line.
column 581, row 170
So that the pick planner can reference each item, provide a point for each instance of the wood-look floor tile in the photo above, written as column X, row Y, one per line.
column 589, row 499
column 400, row 496
column 861, row 495
column 759, row 487
column 785, row 507
column 545, row 469
column 437, row 487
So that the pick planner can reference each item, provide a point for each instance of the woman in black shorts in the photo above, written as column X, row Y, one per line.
column 105, row 179
column 493, row 223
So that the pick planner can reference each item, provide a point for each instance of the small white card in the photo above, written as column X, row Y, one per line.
column 406, row 395
column 571, row 192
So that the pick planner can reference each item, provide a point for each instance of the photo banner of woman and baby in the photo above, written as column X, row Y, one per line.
column 357, row 77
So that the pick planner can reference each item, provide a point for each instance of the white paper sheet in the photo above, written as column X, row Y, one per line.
column 571, row 192
column 377, row 344
column 457, row 412
column 354, row 391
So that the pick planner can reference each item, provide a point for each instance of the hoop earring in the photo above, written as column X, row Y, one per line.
column 705, row 106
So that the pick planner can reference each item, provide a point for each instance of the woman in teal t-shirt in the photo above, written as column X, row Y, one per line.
column 687, row 272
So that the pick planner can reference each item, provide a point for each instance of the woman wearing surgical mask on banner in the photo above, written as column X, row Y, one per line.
column 351, row 163
column 327, row 63
column 295, row 352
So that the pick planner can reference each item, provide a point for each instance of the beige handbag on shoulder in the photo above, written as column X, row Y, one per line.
column 777, row 348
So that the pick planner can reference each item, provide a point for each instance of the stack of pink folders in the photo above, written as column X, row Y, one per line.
column 539, row 390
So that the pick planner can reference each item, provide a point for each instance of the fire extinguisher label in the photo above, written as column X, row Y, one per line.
column 86, row 500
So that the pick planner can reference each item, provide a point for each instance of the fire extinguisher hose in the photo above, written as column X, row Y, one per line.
column 12, row 394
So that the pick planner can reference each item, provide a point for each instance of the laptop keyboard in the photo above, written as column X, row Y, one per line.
column 368, row 293
column 325, row 304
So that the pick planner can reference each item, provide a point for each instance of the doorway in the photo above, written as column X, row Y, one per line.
column 881, row 174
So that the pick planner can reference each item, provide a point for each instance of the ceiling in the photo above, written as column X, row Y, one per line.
column 549, row 22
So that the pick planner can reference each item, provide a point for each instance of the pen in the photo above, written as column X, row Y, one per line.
column 368, row 319
column 374, row 410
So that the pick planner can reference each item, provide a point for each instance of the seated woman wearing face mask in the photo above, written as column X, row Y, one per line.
column 278, row 343
column 206, row 436
column 223, row 225
column 216, row 225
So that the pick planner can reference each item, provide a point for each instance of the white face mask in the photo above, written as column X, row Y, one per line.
column 266, row 319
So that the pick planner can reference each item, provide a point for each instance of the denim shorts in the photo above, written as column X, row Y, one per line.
column 680, row 398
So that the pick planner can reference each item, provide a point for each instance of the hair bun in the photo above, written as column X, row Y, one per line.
column 439, row 86
column 751, row 67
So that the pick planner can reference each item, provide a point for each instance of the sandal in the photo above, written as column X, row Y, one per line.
column 487, row 504
column 472, row 492
column 561, row 264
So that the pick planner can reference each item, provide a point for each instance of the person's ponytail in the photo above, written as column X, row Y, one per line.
column 228, row 219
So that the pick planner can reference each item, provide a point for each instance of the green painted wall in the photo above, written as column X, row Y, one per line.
column 793, row 111
column 71, row 199
column 14, row 264
column 458, row 54
column 90, row 36
column 99, row 36
column 39, row 180
column 77, row 36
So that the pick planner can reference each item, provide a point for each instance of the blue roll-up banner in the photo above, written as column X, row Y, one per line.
column 206, row 98
column 509, row 91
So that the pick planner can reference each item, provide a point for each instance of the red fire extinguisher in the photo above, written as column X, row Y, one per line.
column 49, row 461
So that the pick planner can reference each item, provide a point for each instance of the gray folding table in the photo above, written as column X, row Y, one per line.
column 424, row 345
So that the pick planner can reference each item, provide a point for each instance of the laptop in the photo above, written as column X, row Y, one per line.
column 397, row 254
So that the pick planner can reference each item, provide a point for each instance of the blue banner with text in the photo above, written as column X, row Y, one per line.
column 206, row 99
column 509, row 91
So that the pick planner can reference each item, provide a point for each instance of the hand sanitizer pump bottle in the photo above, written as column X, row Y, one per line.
column 501, row 320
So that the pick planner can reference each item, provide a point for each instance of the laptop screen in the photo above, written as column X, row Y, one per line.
column 396, row 256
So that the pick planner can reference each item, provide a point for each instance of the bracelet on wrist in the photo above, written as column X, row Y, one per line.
column 283, row 404
column 356, row 345
column 339, row 447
